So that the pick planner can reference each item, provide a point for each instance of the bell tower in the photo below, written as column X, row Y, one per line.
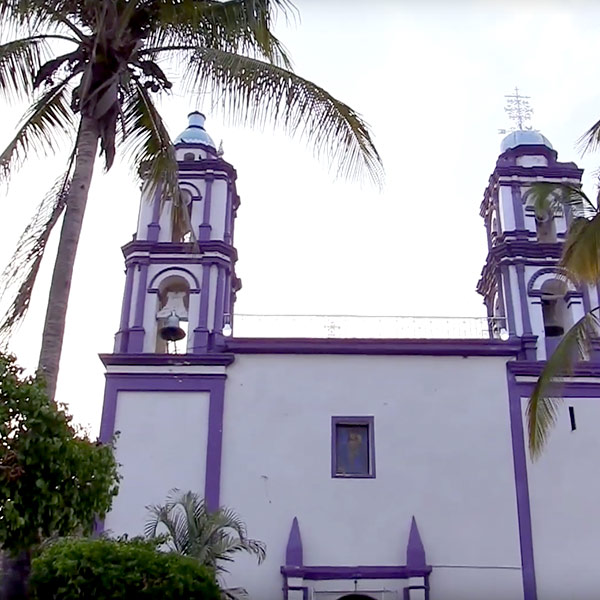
column 522, row 284
column 180, row 279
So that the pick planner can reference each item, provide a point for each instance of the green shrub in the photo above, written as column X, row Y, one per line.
column 102, row 569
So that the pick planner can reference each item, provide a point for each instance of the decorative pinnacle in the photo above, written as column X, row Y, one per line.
column 518, row 110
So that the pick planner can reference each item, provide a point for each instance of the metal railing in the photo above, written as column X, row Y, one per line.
column 367, row 326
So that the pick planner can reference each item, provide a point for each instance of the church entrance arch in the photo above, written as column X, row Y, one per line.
column 355, row 597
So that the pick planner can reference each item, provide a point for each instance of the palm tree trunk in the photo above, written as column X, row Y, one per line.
column 56, row 312
column 15, row 576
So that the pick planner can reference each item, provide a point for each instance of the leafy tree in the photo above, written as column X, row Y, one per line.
column 103, row 569
column 209, row 537
column 90, row 69
column 580, row 262
column 53, row 480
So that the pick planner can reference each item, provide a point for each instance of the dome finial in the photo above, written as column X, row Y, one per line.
column 195, row 132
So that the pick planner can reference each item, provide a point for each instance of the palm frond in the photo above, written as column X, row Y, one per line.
column 552, row 197
column 237, row 26
column 43, row 128
column 545, row 400
column 252, row 92
column 581, row 252
column 20, row 60
column 146, row 140
column 22, row 269
column 590, row 140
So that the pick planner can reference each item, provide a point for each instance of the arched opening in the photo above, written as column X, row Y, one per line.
column 554, row 307
column 172, row 315
column 181, row 216
column 355, row 597
column 189, row 156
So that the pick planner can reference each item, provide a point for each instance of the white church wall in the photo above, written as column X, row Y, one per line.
column 565, row 505
column 442, row 451
column 162, row 445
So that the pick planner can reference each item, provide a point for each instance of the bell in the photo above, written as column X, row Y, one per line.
column 171, row 332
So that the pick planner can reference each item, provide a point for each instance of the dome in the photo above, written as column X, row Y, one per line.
column 195, row 132
column 524, row 138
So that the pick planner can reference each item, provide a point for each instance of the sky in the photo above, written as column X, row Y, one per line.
column 430, row 78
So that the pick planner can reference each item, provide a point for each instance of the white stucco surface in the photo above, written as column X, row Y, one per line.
column 161, row 445
column 565, row 505
column 443, row 454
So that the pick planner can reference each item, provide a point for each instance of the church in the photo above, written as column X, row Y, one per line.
column 373, row 468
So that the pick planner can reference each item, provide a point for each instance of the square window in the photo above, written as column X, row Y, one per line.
column 353, row 447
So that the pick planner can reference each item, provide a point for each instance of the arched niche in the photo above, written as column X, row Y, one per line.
column 173, row 307
column 356, row 597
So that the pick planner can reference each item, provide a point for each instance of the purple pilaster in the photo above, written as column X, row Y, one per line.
column 517, row 203
column 205, row 227
column 123, row 333
column 201, row 332
column 524, row 301
column 510, row 308
column 219, row 303
column 154, row 226
column 214, row 447
column 228, row 237
column 522, row 489
column 415, row 552
column 136, row 334
column 293, row 551
column 167, row 383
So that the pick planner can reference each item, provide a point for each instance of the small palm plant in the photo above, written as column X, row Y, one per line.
column 211, row 537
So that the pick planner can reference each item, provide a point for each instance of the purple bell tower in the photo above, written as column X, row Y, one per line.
column 181, row 281
column 525, row 291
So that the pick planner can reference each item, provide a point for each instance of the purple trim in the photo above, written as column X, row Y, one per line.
column 152, row 286
column 183, row 248
column 136, row 335
column 151, row 359
column 524, row 302
column 369, row 421
column 556, row 270
column 214, row 447
column 201, row 332
column 154, row 227
column 544, row 172
column 510, row 307
column 415, row 551
column 359, row 572
column 123, row 334
column 180, row 382
column 227, row 236
column 587, row 305
column 517, row 202
column 205, row 227
column 293, row 551
column 522, row 490
column 397, row 347
column 219, row 301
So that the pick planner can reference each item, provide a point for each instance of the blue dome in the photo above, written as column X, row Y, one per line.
column 526, row 137
column 195, row 132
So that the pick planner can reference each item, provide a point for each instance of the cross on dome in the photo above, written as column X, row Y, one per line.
column 518, row 109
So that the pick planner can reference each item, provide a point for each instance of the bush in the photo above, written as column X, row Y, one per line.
column 102, row 569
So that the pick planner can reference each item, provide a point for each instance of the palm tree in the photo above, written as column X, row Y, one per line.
column 91, row 70
column 580, row 261
column 210, row 537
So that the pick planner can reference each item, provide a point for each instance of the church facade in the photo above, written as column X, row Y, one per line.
column 382, row 469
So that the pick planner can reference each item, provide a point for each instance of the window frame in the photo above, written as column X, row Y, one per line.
column 369, row 422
